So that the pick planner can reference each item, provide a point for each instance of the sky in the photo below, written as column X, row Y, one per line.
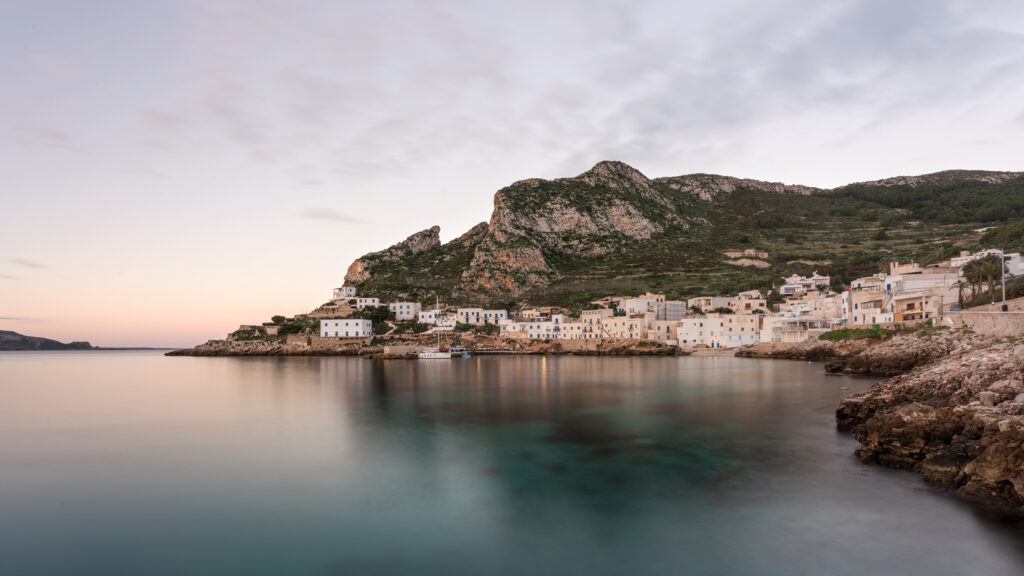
column 172, row 169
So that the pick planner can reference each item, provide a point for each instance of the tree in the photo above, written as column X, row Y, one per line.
column 278, row 319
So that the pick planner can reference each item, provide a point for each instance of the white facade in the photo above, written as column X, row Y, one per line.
column 479, row 316
column 405, row 310
column 632, row 326
column 719, row 331
column 344, row 292
column 700, row 331
column 346, row 328
column 365, row 302
column 793, row 330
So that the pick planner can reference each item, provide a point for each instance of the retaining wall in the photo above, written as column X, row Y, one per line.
column 989, row 323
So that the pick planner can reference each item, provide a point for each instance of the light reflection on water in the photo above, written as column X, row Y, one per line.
column 137, row 463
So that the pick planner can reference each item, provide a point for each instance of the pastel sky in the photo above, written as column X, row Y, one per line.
column 169, row 170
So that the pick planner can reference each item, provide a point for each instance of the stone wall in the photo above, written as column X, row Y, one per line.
column 989, row 323
column 403, row 349
column 1015, row 305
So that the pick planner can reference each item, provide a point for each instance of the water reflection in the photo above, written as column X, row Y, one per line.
column 487, row 465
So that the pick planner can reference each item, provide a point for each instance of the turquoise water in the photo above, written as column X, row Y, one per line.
column 134, row 463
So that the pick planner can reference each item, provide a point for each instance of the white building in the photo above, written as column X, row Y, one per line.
column 671, row 311
column 479, row 316
column 708, row 303
column 631, row 326
column 538, row 329
column 700, row 331
column 640, row 304
column 344, row 293
column 367, row 302
column 719, row 331
column 346, row 328
column 793, row 330
column 664, row 331
column 797, row 284
column 405, row 310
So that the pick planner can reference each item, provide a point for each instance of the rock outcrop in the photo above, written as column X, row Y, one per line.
column 360, row 270
column 610, row 222
column 957, row 419
column 11, row 341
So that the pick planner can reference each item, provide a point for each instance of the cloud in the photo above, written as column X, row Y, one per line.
column 328, row 214
column 7, row 277
column 25, row 263
column 31, row 137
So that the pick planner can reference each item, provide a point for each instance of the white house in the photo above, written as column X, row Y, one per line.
column 699, row 331
column 365, row 302
column 346, row 328
column 344, row 292
column 405, row 310
column 478, row 316
column 797, row 284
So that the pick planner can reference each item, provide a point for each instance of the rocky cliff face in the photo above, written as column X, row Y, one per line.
column 958, row 420
column 614, row 222
column 361, row 270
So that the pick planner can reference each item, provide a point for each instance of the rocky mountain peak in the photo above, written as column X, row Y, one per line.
column 612, row 172
column 421, row 241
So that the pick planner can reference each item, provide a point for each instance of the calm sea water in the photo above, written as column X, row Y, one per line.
column 133, row 463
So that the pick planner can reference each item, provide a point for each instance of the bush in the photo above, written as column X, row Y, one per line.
column 278, row 319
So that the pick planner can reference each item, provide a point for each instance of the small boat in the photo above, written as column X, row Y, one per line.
column 434, row 353
column 465, row 354
column 442, row 352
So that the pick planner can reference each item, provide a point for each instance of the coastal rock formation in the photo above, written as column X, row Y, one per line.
column 360, row 270
column 811, row 349
column 11, row 341
column 557, row 238
column 958, row 420
column 901, row 354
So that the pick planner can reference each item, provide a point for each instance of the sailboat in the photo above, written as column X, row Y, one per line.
column 442, row 352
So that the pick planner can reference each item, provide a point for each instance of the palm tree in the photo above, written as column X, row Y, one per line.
column 990, row 267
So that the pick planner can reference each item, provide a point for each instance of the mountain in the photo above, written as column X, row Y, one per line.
column 612, row 229
column 14, row 341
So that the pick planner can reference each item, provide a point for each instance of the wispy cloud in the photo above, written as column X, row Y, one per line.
column 32, row 137
column 328, row 214
column 25, row 263
column 7, row 277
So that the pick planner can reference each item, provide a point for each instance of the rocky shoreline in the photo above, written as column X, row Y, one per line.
column 399, row 348
column 956, row 416
column 952, row 408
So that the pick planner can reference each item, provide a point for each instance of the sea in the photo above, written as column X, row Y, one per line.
column 134, row 463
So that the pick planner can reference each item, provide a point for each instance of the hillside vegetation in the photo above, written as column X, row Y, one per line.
column 613, row 230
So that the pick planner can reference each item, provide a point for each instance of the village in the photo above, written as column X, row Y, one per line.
column 802, row 308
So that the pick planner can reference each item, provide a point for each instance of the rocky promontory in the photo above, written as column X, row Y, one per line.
column 957, row 418
column 405, row 346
